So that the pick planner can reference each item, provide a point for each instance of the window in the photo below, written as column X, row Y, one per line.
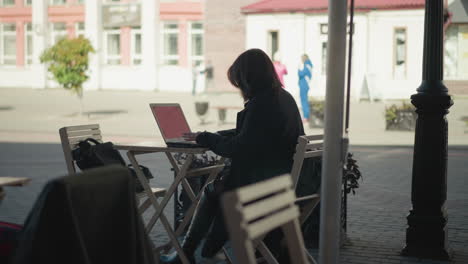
column 80, row 29
column 170, row 44
column 112, row 46
column 59, row 31
column 324, row 29
column 196, row 42
column 28, row 48
column 27, row 2
column 7, row 2
column 324, row 58
column 136, row 46
column 8, row 44
column 399, row 53
column 273, row 43
column 58, row 2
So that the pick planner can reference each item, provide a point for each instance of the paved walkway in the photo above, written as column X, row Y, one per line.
column 376, row 230
column 36, row 115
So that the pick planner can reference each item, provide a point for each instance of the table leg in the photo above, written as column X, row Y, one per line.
column 2, row 194
column 159, row 207
column 196, row 200
column 180, row 176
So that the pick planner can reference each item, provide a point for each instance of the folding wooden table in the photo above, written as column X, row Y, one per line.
column 182, row 172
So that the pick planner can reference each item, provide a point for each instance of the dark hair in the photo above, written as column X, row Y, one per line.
column 253, row 73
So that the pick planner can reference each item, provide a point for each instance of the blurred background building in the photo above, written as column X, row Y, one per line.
column 387, row 43
column 164, row 45
column 133, row 40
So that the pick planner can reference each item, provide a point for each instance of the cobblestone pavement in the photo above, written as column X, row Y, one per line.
column 376, row 214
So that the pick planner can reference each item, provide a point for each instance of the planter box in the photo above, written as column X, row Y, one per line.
column 316, row 117
column 315, row 120
column 405, row 120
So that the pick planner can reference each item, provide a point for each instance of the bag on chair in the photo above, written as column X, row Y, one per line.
column 91, row 154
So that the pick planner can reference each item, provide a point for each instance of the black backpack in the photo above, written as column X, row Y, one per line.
column 90, row 153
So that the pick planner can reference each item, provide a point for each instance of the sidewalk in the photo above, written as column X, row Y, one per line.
column 29, row 115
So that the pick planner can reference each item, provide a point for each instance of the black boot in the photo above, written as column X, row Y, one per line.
column 200, row 225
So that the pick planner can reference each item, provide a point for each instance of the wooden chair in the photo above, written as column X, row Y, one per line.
column 70, row 137
column 252, row 211
column 307, row 147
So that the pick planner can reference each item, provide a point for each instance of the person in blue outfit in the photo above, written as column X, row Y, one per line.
column 305, row 75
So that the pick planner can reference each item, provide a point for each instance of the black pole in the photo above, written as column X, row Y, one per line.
column 350, row 55
column 426, row 235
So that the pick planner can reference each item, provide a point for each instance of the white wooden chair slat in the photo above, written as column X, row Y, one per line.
column 267, row 206
column 75, row 140
column 78, row 133
column 311, row 154
column 314, row 137
column 246, row 236
column 311, row 146
column 72, row 135
column 279, row 218
column 253, row 192
column 81, row 127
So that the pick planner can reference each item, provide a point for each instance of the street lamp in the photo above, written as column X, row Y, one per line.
column 426, row 235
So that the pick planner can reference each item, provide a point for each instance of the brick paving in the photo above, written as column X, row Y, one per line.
column 376, row 214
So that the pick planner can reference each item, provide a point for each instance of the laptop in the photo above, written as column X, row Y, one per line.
column 172, row 124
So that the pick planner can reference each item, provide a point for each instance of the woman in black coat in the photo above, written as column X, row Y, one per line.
column 260, row 147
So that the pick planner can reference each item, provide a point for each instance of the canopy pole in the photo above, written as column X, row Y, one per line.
column 333, row 139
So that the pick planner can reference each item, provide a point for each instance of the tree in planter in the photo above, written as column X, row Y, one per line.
column 68, row 62
column 317, row 114
column 400, row 117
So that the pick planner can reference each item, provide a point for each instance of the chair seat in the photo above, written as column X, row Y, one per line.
column 158, row 192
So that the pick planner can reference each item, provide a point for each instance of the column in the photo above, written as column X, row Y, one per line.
column 71, row 29
column 150, row 43
column 20, row 57
column 125, row 39
column 333, row 154
column 93, row 31
column 40, row 27
column 426, row 235
column 183, row 44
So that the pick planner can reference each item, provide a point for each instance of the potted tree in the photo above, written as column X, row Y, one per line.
column 317, row 114
column 68, row 63
column 400, row 117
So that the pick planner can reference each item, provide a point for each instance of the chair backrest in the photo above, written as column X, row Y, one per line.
column 252, row 211
column 307, row 147
column 70, row 137
column 91, row 216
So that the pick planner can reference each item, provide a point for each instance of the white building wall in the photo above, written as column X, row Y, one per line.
column 381, row 52
column 372, row 49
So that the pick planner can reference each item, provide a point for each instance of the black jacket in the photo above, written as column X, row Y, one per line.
column 87, row 218
column 264, row 141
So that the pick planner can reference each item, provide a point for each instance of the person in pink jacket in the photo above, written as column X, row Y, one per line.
column 279, row 67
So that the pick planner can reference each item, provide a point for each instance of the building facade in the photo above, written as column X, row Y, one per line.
column 140, row 44
column 225, row 30
column 387, row 43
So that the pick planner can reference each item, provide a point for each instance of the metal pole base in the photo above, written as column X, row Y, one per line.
column 426, row 236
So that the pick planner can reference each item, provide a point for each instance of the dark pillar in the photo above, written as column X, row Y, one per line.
column 426, row 235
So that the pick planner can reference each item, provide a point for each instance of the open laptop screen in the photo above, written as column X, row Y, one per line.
column 171, row 120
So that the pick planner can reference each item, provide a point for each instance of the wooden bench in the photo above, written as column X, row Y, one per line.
column 222, row 112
